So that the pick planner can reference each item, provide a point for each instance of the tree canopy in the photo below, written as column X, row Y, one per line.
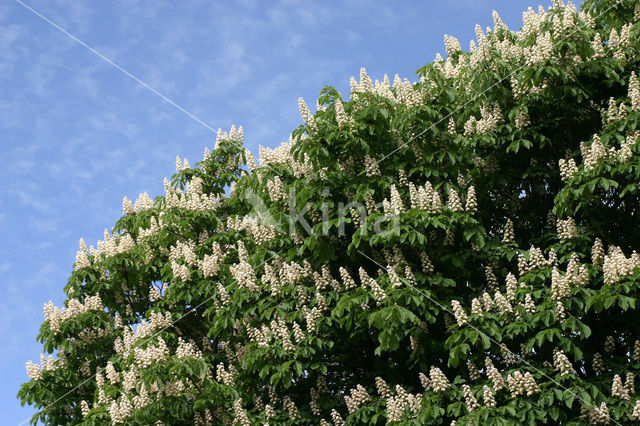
column 456, row 249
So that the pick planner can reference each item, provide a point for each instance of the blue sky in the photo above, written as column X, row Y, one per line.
column 77, row 134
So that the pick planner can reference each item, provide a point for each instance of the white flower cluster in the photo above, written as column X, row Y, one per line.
column 281, row 331
column 536, row 260
column 365, row 86
column 503, row 304
column 630, row 383
column 144, row 330
column 515, row 382
column 371, row 166
column 396, row 201
column 559, row 285
column 153, row 229
column 471, row 203
column 425, row 261
column 609, row 344
column 618, row 389
column 397, row 405
column 367, row 281
column 560, row 313
column 282, row 155
column 406, row 92
column 425, row 198
column 636, row 410
column 453, row 201
column 481, row 52
column 394, row 278
column 474, row 373
column 530, row 385
column 522, row 384
column 541, row 51
column 625, row 153
column 233, row 135
column 187, row 350
column 120, row 412
column 494, row 375
column 82, row 257
column 307, row 117
column 599, row 414
column 241, row 417
column 617, row 265
column 48, row 363
column 614, row 112
column 261, row 336
column 244, row 274
column 476, row 307
column 142, row 400
column 290, row 273
column 488, row 122
column 451, row 44
column 250, row 160
column 259, row 232
column 33, row 370
column 298, row 334
column 359, row 396
column 487, row 397
column 210, row 264
column 634, row 91
column 275, row 188
column 144, row 202
column 458, row 312
column 511, row 286
column 508, row 235
column 291, row 408
column 55, row 316
column 185, row 251
column 129, row 379
column 336, row 418
column 111, row 373
column 487, row 302
column 84, row 408
column 223, row 376
column 451, row 71
column 598, row 364
column 180, row 166
column 469, row 399
column 279, row 155
column 114, row 244
column 567, row 229
column 591, row 154
column 192, row 199
column 325, row 280
column 508, row 356
column 159, row 321
column 529, row 306
column 561, row 363
column 492, row 280
column 532, row 22
column 270, row 278
column 180, row 271
column 145, row 357
column 342, row 118
column 439, row 382
column 382, row 388
column 567, row 168
column 424, row 380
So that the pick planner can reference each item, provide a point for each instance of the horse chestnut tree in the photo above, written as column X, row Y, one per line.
column 458, row 250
